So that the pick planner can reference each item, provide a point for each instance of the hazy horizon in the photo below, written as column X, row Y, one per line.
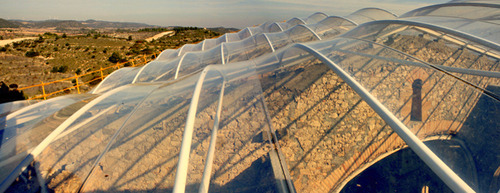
column 200, row 13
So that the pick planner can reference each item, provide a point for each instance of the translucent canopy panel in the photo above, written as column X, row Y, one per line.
column 279, row 40
column 194, row 61
column 332, row 26
column 231, row 37
column 167, row 54
column 199, row 46
column 484, row 30
column 186, row 48
column 275, row 27
column 210, row 43
column 247, row 49
column 158, row 69
column 319, row 121
column 474, row 11
column 422, row 109
column 295, row 21
column 302, row 33
column 415, row 99
column 24, row 129
column 460, row 56
column 144, row 153
column 6, row 108
column 72, row 155
column 370, row 14
column 316, row 17
column 116, row 79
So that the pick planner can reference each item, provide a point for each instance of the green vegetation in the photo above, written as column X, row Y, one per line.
column 61, row 69
column 115, row 58
column 32, row 53
column 53, row 56
column 157, row 29
column 183, row 35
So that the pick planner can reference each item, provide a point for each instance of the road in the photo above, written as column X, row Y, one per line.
column 9, row 41
column 170, row 33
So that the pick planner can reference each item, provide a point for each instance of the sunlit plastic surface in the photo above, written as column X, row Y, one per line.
column 149, row 140
column 24, row 129
column 9, row 107
column 77, row 144
column 116, row 79
column 319, row 105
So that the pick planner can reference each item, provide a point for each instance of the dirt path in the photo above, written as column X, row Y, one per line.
column 170, row 33
column 9, row 41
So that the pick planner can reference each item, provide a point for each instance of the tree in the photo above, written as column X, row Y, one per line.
column 64, row 35
column 129, row 38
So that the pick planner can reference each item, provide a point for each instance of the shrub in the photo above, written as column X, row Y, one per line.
column 32, row 53
column 115, row 57
column 40, row 39
column 61, row 69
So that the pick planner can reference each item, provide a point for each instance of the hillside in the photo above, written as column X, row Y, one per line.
column 52, row 57
column 7, row 24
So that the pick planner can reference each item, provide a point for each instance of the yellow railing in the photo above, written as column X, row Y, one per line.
column 134, row 62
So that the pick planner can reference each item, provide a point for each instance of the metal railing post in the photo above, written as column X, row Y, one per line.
column 43, row 91
column 77, row 85
column 102, row 76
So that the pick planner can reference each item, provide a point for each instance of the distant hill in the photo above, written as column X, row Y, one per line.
column 109, row 24
column 8, row 24
column 55, row 23
column 76, row 24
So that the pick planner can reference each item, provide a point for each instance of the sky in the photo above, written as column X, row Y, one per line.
column 200, row 13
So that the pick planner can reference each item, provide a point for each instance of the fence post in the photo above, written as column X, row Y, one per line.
column 77, row 85
column 102, row 76
column 43, row 91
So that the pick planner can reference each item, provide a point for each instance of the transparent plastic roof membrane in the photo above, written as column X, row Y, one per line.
column 473, row 11
column 319, row 104
column 229, row 52
column 24, row 129
column 75, row 148
column 118, row 78
column 9, row 107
